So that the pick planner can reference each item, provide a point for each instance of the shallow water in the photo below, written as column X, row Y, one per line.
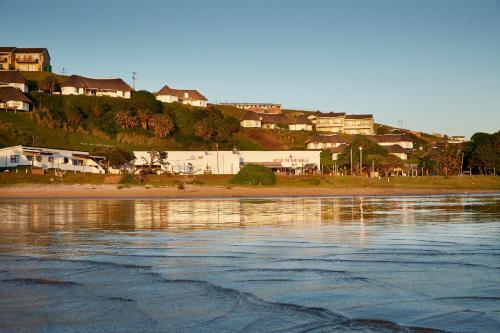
column 373, row 264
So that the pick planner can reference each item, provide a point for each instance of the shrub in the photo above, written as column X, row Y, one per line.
column 252, row 174
column 126, row 179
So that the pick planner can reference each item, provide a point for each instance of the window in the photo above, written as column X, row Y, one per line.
column 65, row 160
column 77, row 162
column 14, row 158
column 51, row 159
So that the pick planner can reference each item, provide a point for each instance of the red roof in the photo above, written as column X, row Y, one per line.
column 12, row 94
column 181, row 93
column 11, row 77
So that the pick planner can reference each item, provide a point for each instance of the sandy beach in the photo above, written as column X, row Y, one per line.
column 111, row 191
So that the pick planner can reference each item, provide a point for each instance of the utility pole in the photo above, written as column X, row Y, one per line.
column 351, row 161
column 63, row 71
column 400, row 124
column 361, row 160
column 134, row 78
column 217, row 147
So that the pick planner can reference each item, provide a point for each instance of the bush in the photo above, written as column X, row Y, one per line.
column 252, row 174
column 126, row 179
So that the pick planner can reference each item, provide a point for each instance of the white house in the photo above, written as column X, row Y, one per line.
column 13, row 79
column 261, row 120
column 302, row 123
column 79, row 85
column 48, row 158
column 325, row 141
column 13, row 99
column 397, row 150
column 392, row 139
column 251, row 120
column 191, row 97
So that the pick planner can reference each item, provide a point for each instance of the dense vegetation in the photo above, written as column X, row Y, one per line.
column 253, row 174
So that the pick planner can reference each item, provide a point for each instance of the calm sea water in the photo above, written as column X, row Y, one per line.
column 392, row 264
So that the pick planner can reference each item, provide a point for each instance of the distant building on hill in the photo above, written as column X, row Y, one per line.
column 392, row 139
column 339, row 122
column 184, row 96
column 263, row 120
column 301, row 123
column 322, row 141
column 25, row 59
column 457, row 139
column 257, row 107
column 79, row 85
column 13, row 99
column 13, row 79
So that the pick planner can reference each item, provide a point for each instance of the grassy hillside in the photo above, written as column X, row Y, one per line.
column 82, row 122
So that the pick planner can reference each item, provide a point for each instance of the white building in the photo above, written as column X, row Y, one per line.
column 79, row 85
column 191, row 97
column 230, row 162
column 13, row 99
column 397, row 151
column 261, row 120
column 392, row 139
column 13, row 79
column 48, row 158
column 302, row 123
column 325, row 141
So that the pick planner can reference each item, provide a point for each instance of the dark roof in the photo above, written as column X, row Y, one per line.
column 249, row 115
column 273, row 118
column 7, row 48
column 329, row 114
column 396, row 149
column 12, row 94
column 339, row 149
column 389, row 138
column 30, row 50
column 11, row 77
column 300, row 120
column 358, row 116
column 248, row 103
column 180, row 93
column 326, row 139
column 265, row 118
column 84, row 82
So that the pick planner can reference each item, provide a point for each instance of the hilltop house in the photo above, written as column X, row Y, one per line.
column 257, row 107
column 359, row 124
column 320, row 141
column 25, row 59
column 79, row 85
column 191, row 97
column 13, row 79
column 13, row 99
column 47, row 158
column 301, row 123
column 261, row 120
column 334, row 122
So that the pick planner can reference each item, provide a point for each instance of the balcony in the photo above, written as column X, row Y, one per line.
column 26, row 60
column 3, row 59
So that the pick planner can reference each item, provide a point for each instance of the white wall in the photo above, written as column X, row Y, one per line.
column 18, row 105
column 251, row 123
column 404, row 144
column 223, row 162
column 300, row 127
column 167, row 98
column 82, row 91
column 288, row 158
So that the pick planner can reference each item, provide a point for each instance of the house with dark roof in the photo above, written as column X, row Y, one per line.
column 184, row 96
column 301, row 123
column 392, row 139
column 79, row 85
column 260, row 120
column 322, row 141
column 34, row 59
column 397, row 150
column 13, row 79
column 13, row 99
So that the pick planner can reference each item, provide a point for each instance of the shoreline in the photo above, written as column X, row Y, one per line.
column 30, row 191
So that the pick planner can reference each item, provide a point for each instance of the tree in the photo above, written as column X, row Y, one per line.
column 483, row 152
column 145, row 119
column 447, row 159
column 162, row 125
column 155, row 159
column 372, row 153
column 125, row 120
column 115, row 157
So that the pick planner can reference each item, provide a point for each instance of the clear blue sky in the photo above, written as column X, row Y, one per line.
column 433, row 64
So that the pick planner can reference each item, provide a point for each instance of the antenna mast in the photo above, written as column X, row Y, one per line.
column 134, row 78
